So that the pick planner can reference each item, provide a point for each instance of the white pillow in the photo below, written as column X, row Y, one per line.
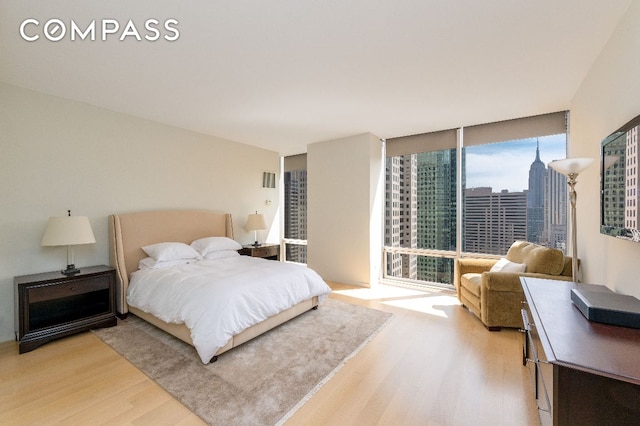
column 221, row 254
column 210, row 244
column 150, row 263
column 163, row 252
column 504, row 265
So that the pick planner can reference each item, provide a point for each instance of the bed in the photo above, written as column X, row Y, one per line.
column 129, row 232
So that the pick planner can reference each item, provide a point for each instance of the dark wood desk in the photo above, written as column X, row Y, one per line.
column 584, row 373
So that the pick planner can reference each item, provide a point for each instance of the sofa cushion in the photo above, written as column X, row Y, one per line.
column 539, row 259
column 471, row 302
column 471, row 282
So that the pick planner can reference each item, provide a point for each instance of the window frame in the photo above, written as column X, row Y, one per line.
column 479, row 135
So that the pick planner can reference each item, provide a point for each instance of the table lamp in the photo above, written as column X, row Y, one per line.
column 255, row 223
column 68, row 231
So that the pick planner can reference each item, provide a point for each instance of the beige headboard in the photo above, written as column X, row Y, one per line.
column 129, row 232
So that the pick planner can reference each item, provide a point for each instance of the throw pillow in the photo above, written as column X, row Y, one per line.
column 545, row 260
column 504, row 265
column 163, row 252
column 212, row 244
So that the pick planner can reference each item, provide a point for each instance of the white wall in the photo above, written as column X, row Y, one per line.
column 345, row 196
column 608, row 98
column 57, row 155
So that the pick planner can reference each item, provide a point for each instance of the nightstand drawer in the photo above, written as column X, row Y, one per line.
column 266, row 251
column 66, row 289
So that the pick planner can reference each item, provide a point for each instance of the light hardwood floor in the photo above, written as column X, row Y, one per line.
column 432, row 364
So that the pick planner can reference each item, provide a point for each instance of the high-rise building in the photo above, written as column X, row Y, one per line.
column 493, row 220
column 631, row 180
column 613, row 194
column 535, row 200
column 401, row 214
column 555, row 210
column 295, row 187
column 436, row 221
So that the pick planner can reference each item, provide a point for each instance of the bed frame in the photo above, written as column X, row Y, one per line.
column 129, row 232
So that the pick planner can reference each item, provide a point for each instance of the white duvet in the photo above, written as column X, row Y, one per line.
column 217, row 299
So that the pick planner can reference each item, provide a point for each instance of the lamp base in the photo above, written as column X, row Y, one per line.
column 256, row 244
column 71, row 270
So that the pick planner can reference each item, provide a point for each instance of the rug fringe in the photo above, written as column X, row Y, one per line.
column 317, row 387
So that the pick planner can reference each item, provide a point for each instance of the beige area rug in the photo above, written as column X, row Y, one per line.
column 262, row 382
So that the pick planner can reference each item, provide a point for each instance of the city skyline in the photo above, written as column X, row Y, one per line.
column 421, row 205
column 505, row 165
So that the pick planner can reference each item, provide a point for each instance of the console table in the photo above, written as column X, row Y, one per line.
column 584, row 372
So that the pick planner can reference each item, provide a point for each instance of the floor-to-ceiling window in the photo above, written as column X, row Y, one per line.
column 471, row 191
column 295, row 208
column 420, row 207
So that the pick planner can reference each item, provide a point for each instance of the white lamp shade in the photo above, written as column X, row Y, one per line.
column 571, row 165
column 67, row 231
column 255, row 222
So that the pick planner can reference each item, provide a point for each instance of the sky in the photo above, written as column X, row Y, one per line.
column 505, row 165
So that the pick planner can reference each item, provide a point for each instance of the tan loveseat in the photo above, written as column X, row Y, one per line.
column 496, row 297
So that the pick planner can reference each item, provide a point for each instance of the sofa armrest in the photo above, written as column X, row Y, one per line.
column 502, row 281
column 470, row 265
column 501, row 296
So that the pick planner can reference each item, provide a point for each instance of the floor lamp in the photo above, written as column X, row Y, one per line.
column 571, row 168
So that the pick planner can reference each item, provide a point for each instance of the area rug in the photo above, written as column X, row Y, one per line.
column 262, row 382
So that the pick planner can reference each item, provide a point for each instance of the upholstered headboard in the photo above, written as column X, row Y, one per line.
column 129, row 232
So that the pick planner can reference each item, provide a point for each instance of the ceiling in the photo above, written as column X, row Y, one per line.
column 282, row 74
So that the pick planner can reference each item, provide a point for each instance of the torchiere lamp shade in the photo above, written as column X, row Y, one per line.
column 570, row 166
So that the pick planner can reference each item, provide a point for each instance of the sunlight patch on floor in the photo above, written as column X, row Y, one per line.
column 432, row 302
column 432, row 305
column 379, row 292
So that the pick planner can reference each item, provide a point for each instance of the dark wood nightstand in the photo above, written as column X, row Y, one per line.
column 266, row 251
column 52, row 305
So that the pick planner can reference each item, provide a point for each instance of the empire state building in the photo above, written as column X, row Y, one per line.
column 535, row 200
